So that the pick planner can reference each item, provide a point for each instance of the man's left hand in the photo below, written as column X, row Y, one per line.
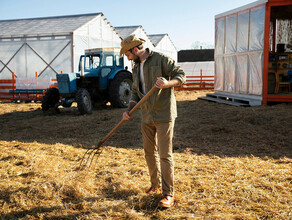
column 161, row 83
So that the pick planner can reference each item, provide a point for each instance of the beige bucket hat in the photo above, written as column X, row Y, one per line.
column 130, row 42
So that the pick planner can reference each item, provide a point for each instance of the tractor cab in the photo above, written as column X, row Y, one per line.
column 103, row 63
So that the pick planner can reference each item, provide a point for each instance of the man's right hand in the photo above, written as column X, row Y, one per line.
column 126, row 116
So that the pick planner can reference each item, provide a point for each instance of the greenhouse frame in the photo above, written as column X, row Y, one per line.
column 52, row 44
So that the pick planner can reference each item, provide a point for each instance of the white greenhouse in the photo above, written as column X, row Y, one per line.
column 52, row 44
column 125, row 31
column 163, row 44
column 158, row 42
column 196, row 68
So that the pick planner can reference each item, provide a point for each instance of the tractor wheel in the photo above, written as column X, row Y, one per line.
column 51, row 98
column 120, row 90
column 83, row 100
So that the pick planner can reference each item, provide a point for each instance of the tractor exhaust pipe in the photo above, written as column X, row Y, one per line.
column 82, row 66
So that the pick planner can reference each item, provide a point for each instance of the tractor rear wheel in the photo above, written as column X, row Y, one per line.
column 120, row 89
column 51, row 98
column 84, row 103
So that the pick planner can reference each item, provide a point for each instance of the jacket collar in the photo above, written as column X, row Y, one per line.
column 150, row 52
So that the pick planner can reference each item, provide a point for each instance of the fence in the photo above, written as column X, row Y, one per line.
column 6, row 95
column 24, row 89
column 27, row 94
column 197, row 83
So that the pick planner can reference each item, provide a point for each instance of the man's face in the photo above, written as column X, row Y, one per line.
column 132, row 56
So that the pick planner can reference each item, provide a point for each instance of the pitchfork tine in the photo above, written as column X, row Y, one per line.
column 89, row 155
column 97, row 152
column 86, row 157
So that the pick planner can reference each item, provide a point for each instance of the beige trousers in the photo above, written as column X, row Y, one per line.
column 157, row 143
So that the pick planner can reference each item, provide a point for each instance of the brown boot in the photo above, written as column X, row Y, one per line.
column 166, row 202
column 153, row 189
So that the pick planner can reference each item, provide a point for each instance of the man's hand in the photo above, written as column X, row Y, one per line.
column 162, row 83
column 126, row 116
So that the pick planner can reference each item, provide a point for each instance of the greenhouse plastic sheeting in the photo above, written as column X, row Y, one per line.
column 256, row 73
column 242, row 37
column 33, row 83
column 219, row 69
column 194, row 68
column 239, row 40
column 230, row 33
column 257, row 28
column 45, row 55
column 166, row 47
column 229, row 76
column 101, row 36
column 241, row 69
column 219, row 36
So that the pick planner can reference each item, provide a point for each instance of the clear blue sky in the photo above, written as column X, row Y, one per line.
column 186, row 21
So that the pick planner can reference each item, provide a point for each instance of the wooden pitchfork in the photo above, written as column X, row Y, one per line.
column 92, row 152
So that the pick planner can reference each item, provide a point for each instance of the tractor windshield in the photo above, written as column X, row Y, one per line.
column 92, row 61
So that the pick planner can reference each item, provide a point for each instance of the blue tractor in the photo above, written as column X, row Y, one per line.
column 102, row 77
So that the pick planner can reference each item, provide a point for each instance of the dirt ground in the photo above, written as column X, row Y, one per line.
column 230, row 163
column 201, row 127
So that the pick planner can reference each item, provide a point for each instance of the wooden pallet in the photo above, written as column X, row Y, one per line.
column 233, row 99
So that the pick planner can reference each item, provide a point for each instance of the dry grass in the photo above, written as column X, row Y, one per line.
column 231, row 163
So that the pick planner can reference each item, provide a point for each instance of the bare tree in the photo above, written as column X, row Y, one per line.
column 202, row 45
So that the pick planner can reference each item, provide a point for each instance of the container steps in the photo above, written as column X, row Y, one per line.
column 232, row 99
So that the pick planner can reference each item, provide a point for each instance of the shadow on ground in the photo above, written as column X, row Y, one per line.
column 201, row 128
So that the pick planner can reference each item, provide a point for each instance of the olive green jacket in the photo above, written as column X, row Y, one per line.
column 161, row 105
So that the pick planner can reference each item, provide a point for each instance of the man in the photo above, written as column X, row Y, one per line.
column 158, row 112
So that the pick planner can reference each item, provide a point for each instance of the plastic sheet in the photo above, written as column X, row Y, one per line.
column 219, row 36
column 242, row 74
column 194, row 68
column 230, row 34
column 255, row 73
column 96, row 34
column 166, row 47
column 257, row 27
column 219, row 69
column 229, row 76
column 242, row 37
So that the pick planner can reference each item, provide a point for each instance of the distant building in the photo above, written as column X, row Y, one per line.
column 163, row 44
column 50, row 45
column 193, row 61
column 157, row 42
column 196, row 55
column 125, row 31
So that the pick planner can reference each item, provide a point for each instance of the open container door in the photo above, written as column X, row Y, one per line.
column 277, row 72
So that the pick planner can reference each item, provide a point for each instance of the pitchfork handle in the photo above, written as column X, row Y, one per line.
column 142, row 100
column 130, row 113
